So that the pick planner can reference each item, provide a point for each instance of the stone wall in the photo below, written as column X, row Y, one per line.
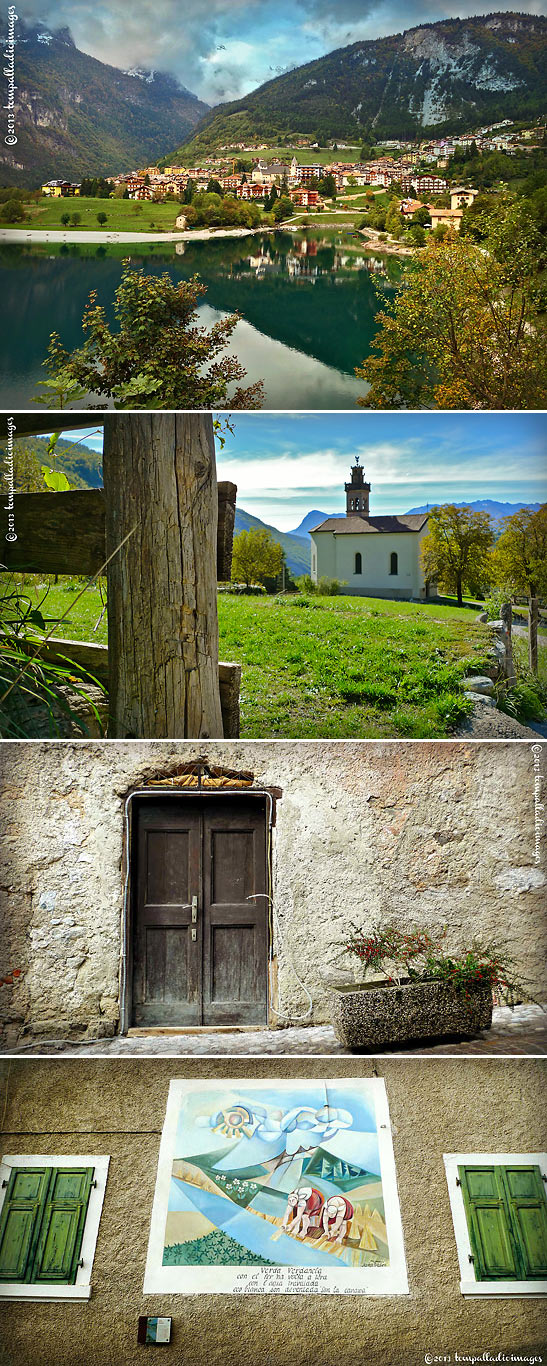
column 435, row 833
column 117, row 1108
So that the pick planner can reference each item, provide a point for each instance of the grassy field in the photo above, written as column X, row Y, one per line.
column 305, row 156
column 329, row 667
column 343, row 667
column 123, row 215
column 347, row 218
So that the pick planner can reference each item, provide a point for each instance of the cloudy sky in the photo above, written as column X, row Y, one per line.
column 221, row 49
column 288, row 464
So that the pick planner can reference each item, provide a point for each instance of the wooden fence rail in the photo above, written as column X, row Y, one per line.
column 64, row 533
column 92, row 658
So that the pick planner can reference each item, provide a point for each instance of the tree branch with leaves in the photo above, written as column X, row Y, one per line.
column 467, row 329
column 157, row 358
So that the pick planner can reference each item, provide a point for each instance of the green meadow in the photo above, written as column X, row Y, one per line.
column 123, row 215
column 336, row 667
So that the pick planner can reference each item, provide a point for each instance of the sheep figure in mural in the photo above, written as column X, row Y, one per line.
column 303, row 1211
column 336, row 1218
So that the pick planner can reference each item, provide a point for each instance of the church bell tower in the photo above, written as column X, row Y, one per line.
column 357, row 493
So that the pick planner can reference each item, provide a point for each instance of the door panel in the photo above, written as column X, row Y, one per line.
column 212, row 849
column 235, row 948
column 166, row 961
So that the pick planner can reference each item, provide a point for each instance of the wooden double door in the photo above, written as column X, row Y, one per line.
column 199, row 934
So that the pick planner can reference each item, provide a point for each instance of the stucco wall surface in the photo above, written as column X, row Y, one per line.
column 430, row 833
column 117, row 1108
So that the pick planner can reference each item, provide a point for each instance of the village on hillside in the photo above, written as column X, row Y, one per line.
column 417, row 170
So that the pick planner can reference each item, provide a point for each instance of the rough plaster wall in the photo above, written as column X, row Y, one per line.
column 118, row 1107
column 436, row 833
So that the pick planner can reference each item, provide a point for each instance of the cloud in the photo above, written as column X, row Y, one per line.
column 304, row 1127
column 283, row 474
column 159, row 36
column 222, row 49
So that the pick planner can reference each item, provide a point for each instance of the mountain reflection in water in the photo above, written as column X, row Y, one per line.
column 308, row 301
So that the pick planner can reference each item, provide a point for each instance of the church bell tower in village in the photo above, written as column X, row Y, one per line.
column 357, row 493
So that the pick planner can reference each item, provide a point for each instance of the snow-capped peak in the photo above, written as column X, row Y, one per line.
column 146, row 76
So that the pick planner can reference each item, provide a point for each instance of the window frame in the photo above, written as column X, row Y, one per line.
column 81, row 1289
column 469, row 1285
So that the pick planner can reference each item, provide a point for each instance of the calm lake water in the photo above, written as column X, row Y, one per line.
column 308, row 306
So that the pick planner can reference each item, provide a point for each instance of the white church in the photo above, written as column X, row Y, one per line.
column 375, row 557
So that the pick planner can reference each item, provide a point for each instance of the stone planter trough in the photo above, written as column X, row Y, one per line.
column 372, row 1016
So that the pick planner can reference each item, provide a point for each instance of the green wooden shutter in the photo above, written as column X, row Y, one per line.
column 42, row 1224
column 20, row 1221
column 490, row 1233
column 528, row 1212
column 62, row 1226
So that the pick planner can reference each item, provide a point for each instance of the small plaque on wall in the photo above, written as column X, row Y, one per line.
column 153, row 1331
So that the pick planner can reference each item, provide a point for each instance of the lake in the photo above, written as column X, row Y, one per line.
column 308, row 303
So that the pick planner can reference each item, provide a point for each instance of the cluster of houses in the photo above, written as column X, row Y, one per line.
column 61, row 189
column 299, row 181
column 494, row 137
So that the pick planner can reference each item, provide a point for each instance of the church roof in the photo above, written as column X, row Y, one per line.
column 350, row 526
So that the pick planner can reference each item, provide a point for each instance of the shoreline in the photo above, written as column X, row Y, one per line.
column 55, row 235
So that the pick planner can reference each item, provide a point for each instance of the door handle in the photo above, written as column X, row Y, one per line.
column 194, row 918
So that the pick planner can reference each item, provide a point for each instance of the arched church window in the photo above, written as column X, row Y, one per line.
column 394, row 563
column 357, row 504
column 358, row 563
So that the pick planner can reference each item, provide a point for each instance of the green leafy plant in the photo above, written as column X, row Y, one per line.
column 28, row 682
column 526, row 699
column 157, row 357
column 55, row 479
column 416, row 955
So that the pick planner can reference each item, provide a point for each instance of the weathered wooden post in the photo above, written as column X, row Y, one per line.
column 506, row 614
column 160, row 480
column 533, row 613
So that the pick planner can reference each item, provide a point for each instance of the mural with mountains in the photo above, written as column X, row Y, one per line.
column 438, row 77
column 77, row 117
column 299, row 1182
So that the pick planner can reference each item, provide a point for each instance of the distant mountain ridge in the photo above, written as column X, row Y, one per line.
column 439, row 77
column 81, row 464
column 485, row 505
column 310, row 520
column 296, row 548
column 495, row 509
column 76, row 116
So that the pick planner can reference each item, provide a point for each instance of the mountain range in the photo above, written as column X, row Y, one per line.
column 296, row 548
column 77, row 117
column 495, row 510
column 438, row 77
column 82, row 466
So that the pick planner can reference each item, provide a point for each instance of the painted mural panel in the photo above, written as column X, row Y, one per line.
column 276, row 1186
